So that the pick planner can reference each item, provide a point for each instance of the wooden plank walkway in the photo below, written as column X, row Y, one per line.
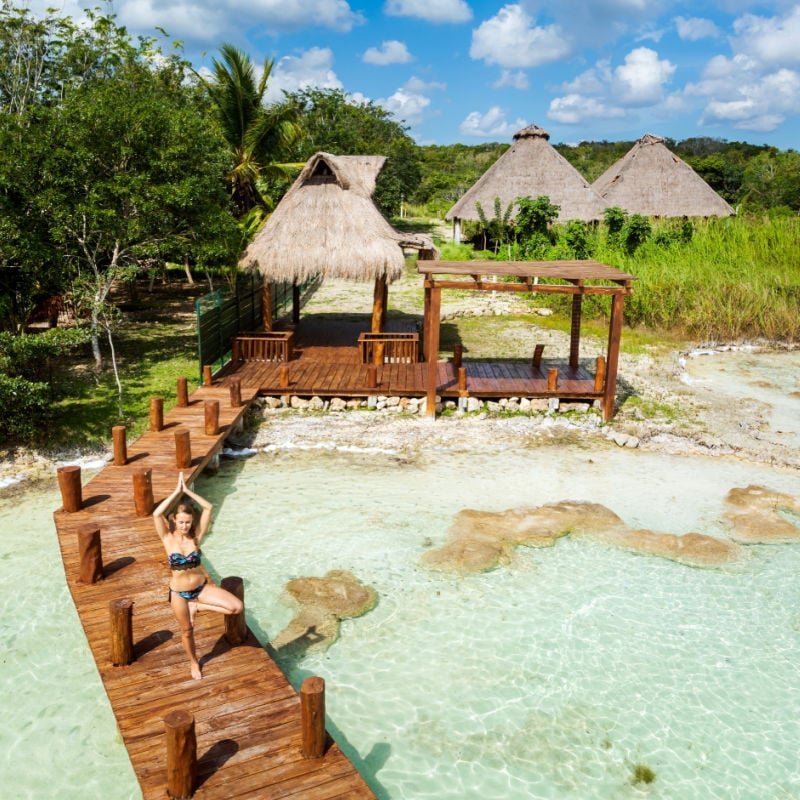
column 247, row 715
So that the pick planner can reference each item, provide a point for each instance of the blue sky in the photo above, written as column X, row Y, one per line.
column 477, row 70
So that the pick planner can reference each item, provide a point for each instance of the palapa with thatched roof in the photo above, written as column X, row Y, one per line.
column 651, row 180
column 531, row 167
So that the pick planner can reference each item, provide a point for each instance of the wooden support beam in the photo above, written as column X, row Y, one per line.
column 119, row 437
column 378, row 299
column 552, row 379
column 121, row 632
column 372, row 376
column 143, row 492
column 211, row 413
column 600, row 374
column 575, row 331
column 69, row 482
column 183, row 392
column 385, row 308
column 536, row 361
column 312, row 709
column 283, row 376
column 235, row 625
column 266, row 306
column 462, row 381
column 434, row 325
column 458, row 355
column 181, row 754
column 90, row 554
column 612, row 358
column 426, row 321
column 156, row 413
column 295, row 304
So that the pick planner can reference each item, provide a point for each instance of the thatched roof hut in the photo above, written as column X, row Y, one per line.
column 328, row 225
column 651, row 180
column 531, row 167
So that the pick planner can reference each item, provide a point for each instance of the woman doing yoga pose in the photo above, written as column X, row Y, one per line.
column 190, row 589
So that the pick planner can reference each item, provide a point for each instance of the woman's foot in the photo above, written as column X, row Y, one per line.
column 196, row 672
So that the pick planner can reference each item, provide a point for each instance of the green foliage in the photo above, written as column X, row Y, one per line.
column 614, row 219
column 773, row 179
column 578, row 239
column 31, row 356
column 535, row 216
column 635, row 232
column 496, row 231
column 26, row 408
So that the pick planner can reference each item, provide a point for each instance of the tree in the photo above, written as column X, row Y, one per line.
column 256, row 134
column 773, row 179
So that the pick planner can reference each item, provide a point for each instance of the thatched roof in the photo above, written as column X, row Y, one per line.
column 531, row 167
column 327, row 224
column 651, row 180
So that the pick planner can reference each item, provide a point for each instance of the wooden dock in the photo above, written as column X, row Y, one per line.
column 247, row 715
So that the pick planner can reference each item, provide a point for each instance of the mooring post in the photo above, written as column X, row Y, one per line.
column 90, row 554
column 181, row 754
column 537, row 356
column 312, row 708
column 183, row 448
column 143, row 492
column 458, row 355
column 236, row 392
column 211, row 409
column 119, row 437
column 183, row 392
column 121, row 630
column 599, row 374
column 208, row 379
column 235, row 625
column 69, row 481
column 552, row 379
column 156, row 413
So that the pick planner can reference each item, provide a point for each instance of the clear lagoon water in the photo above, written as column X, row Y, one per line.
column 554, row 677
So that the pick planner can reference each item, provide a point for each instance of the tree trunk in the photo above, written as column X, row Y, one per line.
column 187, row 270
column 98, row 357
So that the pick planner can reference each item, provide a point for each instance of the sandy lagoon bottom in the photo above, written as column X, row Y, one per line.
column 553, row 677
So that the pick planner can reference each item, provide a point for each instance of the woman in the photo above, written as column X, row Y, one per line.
column 190, row 589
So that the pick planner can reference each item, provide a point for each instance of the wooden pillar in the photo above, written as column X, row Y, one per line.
column 537, row 356
column 121, row 632
column 599, row 374
column 235, row 625
column 458, row 355
column 211, row 408
column 183, row 393
column 433, row 350
column 156, row 413
column 552, row 379
column 118, row 436
column 575, row 330
column 208, row 378
column 295, row 304
column 462, row 381
column 69, row 481
column 312, row 709
column 90, row 554
column 378, row 298
column 143, row 492
column 612, row 359
column 181, row 754
column 235, row 387
column 426, row 316
column 372, row 376
column 266, row 306
column 183, row 448
column 283, row 376
column 385, row 304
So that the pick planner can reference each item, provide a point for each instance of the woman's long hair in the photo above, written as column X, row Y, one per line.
column 185, row 507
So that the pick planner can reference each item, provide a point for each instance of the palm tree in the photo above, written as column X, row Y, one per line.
column 255, row 133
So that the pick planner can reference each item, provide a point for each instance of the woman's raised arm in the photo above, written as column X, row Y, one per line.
column 205, row 516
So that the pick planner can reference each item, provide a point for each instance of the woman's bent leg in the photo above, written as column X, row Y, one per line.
column 213, row 598
column 180, row 607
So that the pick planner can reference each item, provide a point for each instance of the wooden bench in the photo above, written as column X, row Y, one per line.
column 388, row 348
column 263, row 346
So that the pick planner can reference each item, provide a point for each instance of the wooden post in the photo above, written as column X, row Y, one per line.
column 283, row 376
column 211, row 408
column 183, row 448
column 462, row 381
column 295, row 304
column 121, row 630
column 426, row 320
column 90, row 554
column 183, row 393
column 372, row 376
column 156, row 413
column 537, row 356
column 575, row 331
column 235, row 625
column 118, row 436
column 552, row 379
column 143, row 492
column 236, row 392
column 433, row 350
column 181, row 754
column 69, row 481
column 385, row 304
column 208, row 379
column 377, row 352
column 599, row 374
column 312, row 707
column 614, row 335
column 458, row 355
column 378, row 297
column 266, row 305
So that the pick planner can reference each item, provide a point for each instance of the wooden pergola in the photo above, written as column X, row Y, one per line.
column 576, row 278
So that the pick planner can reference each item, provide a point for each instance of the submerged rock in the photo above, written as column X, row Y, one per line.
column 756, row 516
column 321, row 604
column 479, row 541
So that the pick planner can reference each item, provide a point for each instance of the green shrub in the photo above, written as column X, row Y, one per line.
column 26, row 409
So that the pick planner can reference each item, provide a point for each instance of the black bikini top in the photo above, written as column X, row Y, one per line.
column 179, row 561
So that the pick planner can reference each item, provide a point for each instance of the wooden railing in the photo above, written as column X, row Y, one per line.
column 263, row 346
column 388, row 348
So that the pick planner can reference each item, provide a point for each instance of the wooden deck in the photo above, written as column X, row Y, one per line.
column 247, row 715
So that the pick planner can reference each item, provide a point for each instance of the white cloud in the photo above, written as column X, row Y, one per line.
column 640, row 80
column 593, row 81
column 390, row 52
column 492, row 123
column 415, row 84
column 516, row 80
column 410, row 102
column 190, row 20
column 430, row 10
column 774, row 40
column 511, row 39
column 574, row 108
column 288, row 15
column 695, row 28
column 313, row 68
